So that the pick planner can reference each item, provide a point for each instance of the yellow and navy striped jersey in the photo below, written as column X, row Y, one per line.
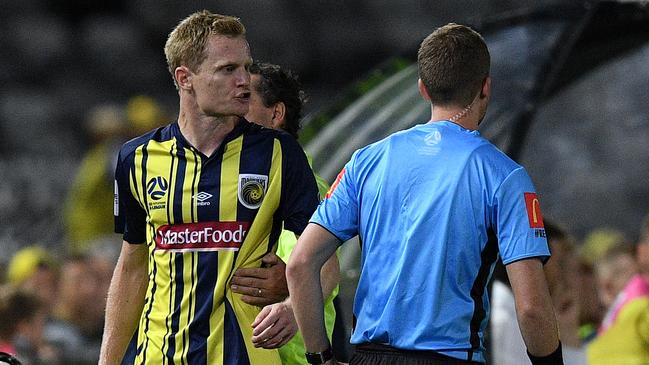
column 202, row 218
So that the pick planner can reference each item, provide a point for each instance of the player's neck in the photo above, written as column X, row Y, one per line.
column 465, row 117
column 206, row 133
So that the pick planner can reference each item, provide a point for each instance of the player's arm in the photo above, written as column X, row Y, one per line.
column 534, row 311
column 314, row 248
column 330, row 275
column 125, row 302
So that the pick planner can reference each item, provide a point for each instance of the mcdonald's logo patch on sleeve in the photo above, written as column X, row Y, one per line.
column 533, row 210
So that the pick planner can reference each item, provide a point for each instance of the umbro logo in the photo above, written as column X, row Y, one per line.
column 201, row 198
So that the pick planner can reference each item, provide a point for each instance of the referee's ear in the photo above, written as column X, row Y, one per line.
column 422, row 90
column 485, row 90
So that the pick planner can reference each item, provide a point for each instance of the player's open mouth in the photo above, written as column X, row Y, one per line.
column 244, row 97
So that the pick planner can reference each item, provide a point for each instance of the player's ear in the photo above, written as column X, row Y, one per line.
column 183, row 77
column 279, row 115
column 422, row 90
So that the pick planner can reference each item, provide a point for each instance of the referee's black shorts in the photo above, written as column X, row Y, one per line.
column 375, row 354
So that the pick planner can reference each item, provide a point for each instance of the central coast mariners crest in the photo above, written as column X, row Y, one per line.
column 252, row 189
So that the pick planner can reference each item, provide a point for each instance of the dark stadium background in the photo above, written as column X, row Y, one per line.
column 582, row 132
column 60, row 58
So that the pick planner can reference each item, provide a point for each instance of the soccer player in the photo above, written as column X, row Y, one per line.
column 195, row 201
column 428, row 204
column 276, row 102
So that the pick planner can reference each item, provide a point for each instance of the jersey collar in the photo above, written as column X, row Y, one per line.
column 239, row 128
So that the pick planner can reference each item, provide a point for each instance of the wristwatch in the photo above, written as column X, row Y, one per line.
column 319, row 357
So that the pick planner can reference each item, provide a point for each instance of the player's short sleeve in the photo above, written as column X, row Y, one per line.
column 299, row 189
column 339, row 211
column 518, row 219
column 130, row 217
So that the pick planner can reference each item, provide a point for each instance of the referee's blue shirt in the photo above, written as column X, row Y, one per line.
column 434, row 206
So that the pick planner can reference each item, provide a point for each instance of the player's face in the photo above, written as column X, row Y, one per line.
column 222, row 81
column 258, row 112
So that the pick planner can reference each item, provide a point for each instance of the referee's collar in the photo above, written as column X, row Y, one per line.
column 453, row 125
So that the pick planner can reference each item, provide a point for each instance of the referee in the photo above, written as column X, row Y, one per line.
column 434, row 206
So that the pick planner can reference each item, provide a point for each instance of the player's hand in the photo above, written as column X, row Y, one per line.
column 274, row 326
column 262, row 286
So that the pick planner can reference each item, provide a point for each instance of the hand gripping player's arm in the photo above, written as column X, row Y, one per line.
column 276, row 323
column 267, row 285
column 125, row 302
column 262, row 286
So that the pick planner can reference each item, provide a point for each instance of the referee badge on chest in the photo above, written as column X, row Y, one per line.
column 252, row 189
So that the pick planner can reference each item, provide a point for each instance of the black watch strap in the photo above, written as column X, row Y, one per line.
column 555, row 358
column 319, row 357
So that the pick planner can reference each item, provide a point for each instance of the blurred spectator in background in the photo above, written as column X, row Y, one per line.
column 592, row 309
column 18, row 306
column 76, row 327
column 22, row 317
column 623, row 337
column 598, row 241
column 143, row 114
column 507, row 343
column 613, row 271
column 88, row 208
column 35, row 270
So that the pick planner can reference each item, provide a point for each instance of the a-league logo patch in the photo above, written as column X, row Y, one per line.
column 252, row 189
column 157, row 187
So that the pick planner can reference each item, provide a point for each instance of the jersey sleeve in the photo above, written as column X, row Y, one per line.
column 518, row 220
column 299, row 189
column 338, row 212
column 130, row 217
